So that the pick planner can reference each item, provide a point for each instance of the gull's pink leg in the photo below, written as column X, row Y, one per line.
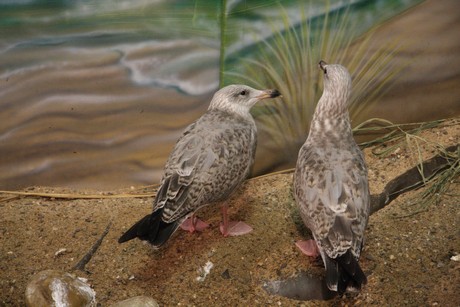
column 308, row 247
column 228, row 228
column 193, row 224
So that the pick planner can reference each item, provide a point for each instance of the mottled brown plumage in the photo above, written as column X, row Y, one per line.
column 209, row 161
column 331, row 186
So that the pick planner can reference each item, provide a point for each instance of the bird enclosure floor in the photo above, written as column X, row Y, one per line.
column 407, row 255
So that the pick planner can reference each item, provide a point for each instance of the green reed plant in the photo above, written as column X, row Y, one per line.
column 409, row 136
column 223, row 41
column 289, row 60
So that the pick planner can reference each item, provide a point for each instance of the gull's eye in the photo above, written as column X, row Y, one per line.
column 325, row 71
column 243, row 92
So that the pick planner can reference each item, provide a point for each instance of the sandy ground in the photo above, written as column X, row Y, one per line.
column 407, row 256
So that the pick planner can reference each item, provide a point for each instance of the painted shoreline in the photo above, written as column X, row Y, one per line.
column 129, row 145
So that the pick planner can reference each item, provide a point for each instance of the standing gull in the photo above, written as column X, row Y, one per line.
column 331, row 187
column 209, row 161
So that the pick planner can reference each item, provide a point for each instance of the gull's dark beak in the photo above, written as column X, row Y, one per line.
column 269, row 94
column 322, row 66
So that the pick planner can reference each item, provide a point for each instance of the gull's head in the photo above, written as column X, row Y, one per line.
column 239, row 98
column 337, row 79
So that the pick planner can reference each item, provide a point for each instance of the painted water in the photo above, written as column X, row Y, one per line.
column 93, row 94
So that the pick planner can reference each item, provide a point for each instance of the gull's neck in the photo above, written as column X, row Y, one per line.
column 233, row 108
column 331, row 116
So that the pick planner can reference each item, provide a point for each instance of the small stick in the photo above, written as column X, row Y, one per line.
column 76, row 196
column 412, row 179
column 87, row 257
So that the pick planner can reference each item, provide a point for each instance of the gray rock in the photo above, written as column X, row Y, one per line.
column 137, row 301
column 57, row 288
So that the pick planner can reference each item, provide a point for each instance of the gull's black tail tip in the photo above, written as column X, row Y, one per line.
column 344, row 274
column 141, row 229
column 151, row 228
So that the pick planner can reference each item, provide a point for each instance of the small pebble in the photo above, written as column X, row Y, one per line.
column 225, row 274
column 137, row 301
column 60, row 252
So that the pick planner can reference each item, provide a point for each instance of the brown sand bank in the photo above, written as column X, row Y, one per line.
column 407, row 255
column 428, row 88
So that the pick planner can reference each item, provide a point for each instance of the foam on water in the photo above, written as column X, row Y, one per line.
column 182, row 64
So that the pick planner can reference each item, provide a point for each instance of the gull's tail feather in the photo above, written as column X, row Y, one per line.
column 151, row 228
column 344, row 273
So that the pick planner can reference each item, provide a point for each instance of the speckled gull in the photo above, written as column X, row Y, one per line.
column 331, row 187
column 209, row 161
